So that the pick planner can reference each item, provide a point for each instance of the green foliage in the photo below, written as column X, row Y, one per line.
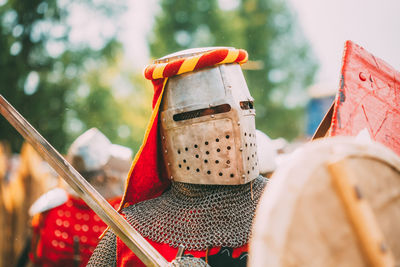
column 22, row 60
column 136, row 111
column 64, row 88
column 41, row 68
column 271, row 36
column 268, row 31
column 189, row 23
column 114, row 100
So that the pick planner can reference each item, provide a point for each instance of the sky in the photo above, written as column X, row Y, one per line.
column 136, row 23
column 373, row 24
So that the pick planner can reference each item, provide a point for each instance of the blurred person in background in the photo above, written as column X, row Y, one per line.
column 267, row 154
column 272, row 152
column 65, row 229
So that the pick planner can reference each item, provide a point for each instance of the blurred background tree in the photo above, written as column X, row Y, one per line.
column 186, row 24
column 65, row 83
column 281, row 63
column 113, row 98
column 42, row 65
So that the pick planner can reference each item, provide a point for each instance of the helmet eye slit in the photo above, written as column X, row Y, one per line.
column 201, row 112
column 246, row 105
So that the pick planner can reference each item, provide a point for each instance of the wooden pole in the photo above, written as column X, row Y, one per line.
column 360, row 215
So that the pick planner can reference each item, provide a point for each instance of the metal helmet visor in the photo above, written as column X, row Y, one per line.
column 207, row 127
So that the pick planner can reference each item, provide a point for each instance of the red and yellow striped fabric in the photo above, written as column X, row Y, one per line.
column 188, row 64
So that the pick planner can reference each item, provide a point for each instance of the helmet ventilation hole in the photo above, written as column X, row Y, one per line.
column 210, row 155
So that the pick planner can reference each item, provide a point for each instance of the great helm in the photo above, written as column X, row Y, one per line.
column 92, row 154
column 207, row 124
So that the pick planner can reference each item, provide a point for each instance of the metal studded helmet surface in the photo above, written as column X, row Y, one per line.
column 207, row 125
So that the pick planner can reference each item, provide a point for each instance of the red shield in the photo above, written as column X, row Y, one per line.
column 368, row 98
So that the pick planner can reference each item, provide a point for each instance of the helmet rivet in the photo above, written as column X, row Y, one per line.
column 241, row 149
column 166, row 151
column 212, row 116
column 243, row 176
column 169, row 164
column 239, row 123
column 163, row 137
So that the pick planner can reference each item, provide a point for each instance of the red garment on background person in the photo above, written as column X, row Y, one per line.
column 54, row 232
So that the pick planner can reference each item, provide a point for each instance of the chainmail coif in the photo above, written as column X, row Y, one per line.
column 199, row 216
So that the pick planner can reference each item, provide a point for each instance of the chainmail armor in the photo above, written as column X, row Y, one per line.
column 199, row 216
column 188, row 262
column 105, row 253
